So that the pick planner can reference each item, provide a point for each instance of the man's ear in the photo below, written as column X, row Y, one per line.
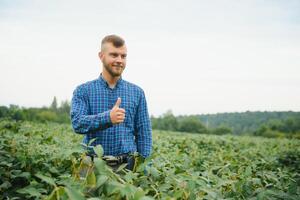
column 100, row 55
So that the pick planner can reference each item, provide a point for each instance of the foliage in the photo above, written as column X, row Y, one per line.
column 192, row 125
column 248, row 122
column 290, row 158
column 221, row 130
column 53, row 105
column 54, row 113
column 280, row 128
column 267, row 124
column 168, row 121
column 27, row 149
column 43, row 161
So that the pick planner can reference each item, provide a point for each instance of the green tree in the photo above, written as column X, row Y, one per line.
column 16, row 112
column 53, row 105
column 44, row 116
column 169, row 121
column 261, row 130
column 65, row 107
column 222, row 130
column 4, row 111
column 191, row 124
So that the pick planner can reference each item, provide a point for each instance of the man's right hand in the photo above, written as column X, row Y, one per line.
column 117, row 114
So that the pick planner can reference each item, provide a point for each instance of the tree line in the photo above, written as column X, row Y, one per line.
column 54, row 113
column 267, row 124
column 189, row 124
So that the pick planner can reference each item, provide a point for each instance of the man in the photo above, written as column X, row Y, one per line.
column 112, row 111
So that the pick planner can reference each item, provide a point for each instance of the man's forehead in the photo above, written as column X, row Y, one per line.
column 110, row 47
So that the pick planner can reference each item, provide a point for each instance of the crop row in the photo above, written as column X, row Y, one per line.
column 43, row 161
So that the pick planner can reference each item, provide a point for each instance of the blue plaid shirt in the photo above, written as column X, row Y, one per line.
column 90, row 115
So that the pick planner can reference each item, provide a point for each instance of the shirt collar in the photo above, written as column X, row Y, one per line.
column 104, row 82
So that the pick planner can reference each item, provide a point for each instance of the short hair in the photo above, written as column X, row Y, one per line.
column 116, row 40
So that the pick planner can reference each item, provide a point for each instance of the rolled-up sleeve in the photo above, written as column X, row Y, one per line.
column 82, row 121
column 143, row 128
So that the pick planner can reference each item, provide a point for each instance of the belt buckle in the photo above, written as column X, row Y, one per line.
column 111, row 160
column 115, row 160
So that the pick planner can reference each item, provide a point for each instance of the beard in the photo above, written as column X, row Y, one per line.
column 114, row 70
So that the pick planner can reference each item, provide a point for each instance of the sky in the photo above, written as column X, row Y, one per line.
column 191, row 56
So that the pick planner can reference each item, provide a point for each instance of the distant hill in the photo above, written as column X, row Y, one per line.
column 245, row 122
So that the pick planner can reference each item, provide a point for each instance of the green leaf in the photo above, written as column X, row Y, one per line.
column 164, row 187
column 256, row 181
column 292, row 188
column 91, row 179
column 24, row 175
column 101, row 180
column 5, row 185
column 99, row 164
column 154, row 172
column 114, row 187
column 60, row 191
column 248, row 171
column 73, row 194
column 30, row 190
column 146, row 198
column 127, row 191
column 52, row 196
column 49, row 180
column 139, row 194
column 91, row 141
column 53, row 170
column 178, row 194
column 98, row 150
column 123, row 166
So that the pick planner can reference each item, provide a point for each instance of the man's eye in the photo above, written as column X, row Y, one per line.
column 124, row 56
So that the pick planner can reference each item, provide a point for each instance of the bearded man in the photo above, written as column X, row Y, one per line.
column 113, row 112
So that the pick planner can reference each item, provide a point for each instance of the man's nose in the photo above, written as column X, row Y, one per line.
column 119, row 59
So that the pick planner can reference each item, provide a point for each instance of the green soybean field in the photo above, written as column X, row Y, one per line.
column 43, row 161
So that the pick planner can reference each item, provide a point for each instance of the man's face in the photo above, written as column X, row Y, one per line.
column 113, row 59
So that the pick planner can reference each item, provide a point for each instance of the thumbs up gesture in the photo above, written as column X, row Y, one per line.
column 117, row 114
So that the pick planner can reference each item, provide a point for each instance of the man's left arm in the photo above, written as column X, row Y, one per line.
column 143, row 128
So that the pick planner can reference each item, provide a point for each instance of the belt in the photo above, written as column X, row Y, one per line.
column 113, row 160
column 116, row 160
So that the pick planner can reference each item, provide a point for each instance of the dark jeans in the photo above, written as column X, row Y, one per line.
column 130, row 162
